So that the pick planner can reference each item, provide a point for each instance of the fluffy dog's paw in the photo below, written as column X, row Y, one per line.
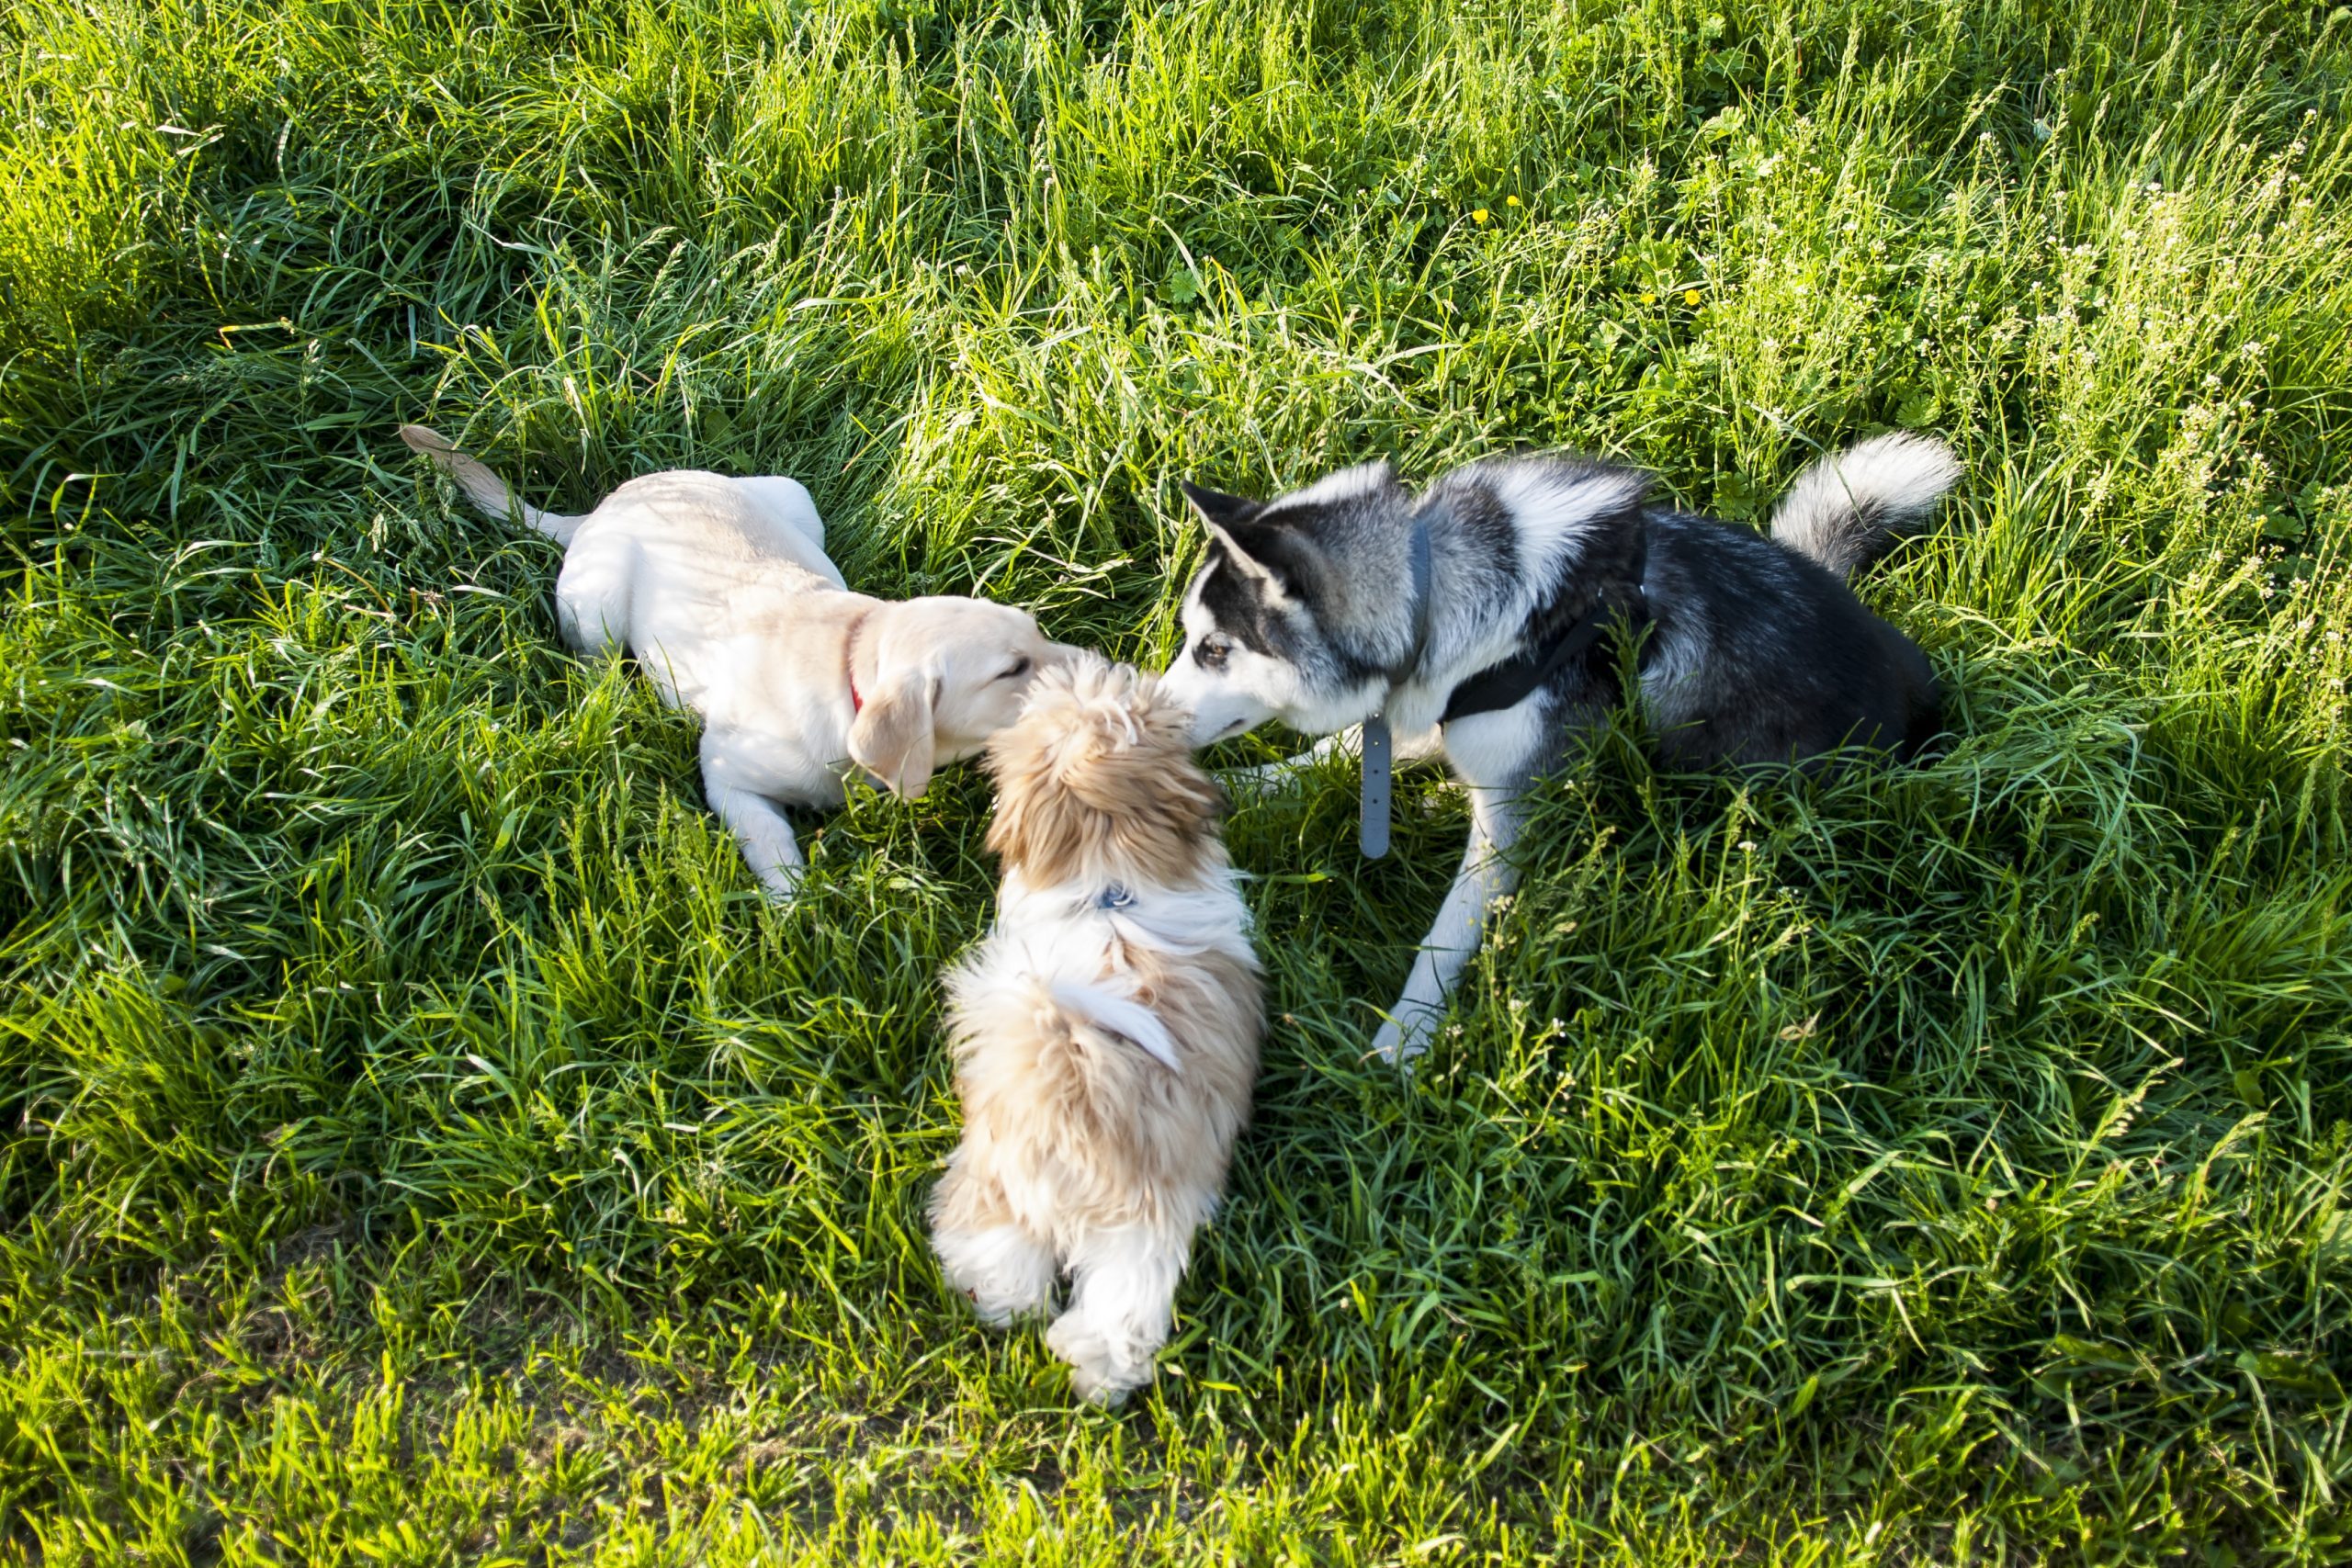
column 1001, row 1271
column 1101, row 1385
column 1097, row 1373
column 995, row 1313
column 998, row 1305
column 782, row 886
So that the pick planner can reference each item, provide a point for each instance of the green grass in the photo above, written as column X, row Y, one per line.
column 422, row 1146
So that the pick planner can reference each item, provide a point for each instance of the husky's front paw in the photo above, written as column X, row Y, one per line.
column 1406, row 1034
column 1288, row 773
column 1266, row 778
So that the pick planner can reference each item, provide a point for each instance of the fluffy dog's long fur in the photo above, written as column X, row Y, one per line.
column 1105, row 1032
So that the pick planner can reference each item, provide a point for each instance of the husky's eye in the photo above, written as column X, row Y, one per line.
column 1209, row 653
column 1020, row 668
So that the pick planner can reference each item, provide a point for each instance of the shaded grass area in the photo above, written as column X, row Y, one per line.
column 421, row 1143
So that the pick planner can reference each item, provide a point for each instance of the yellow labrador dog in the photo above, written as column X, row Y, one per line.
column 721, row 589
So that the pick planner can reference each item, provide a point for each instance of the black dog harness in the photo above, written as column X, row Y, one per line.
column 1499, row 686
column 1493, row 689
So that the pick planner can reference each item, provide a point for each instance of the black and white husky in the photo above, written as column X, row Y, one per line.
column 1473, row 620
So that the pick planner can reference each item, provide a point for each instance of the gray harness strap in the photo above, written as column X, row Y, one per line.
column 1371, row 828
column 1379, row 748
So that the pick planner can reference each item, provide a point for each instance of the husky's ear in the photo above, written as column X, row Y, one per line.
column 891, row 737
column 1282, row 558
column 1218, row 509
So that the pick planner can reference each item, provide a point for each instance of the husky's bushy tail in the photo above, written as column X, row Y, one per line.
column 485, row 489
column 1849, row 507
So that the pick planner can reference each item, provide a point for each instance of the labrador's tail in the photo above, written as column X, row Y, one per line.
column 485, row 489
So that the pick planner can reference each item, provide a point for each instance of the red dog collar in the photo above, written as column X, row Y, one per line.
column 849, row 665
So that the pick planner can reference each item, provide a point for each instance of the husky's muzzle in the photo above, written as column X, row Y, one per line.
column 1220, row 710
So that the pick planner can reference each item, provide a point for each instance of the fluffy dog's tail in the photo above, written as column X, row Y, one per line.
column 1848, row 508
column 1084, row 1038
column 1125, row 1020
column 485, row 489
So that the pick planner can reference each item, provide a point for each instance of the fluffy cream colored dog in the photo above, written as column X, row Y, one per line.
column 721, row 589
column 1105, row 1032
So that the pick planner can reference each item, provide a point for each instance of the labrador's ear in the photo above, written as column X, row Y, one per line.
column 892, row 737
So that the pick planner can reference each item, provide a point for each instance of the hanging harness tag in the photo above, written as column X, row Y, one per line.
column 1372, row 826
column 1379, row 755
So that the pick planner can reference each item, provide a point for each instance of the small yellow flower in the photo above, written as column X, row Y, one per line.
column 1510, row 201
column 1649, row 299
column 1479, row 216
column 1690, row 296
